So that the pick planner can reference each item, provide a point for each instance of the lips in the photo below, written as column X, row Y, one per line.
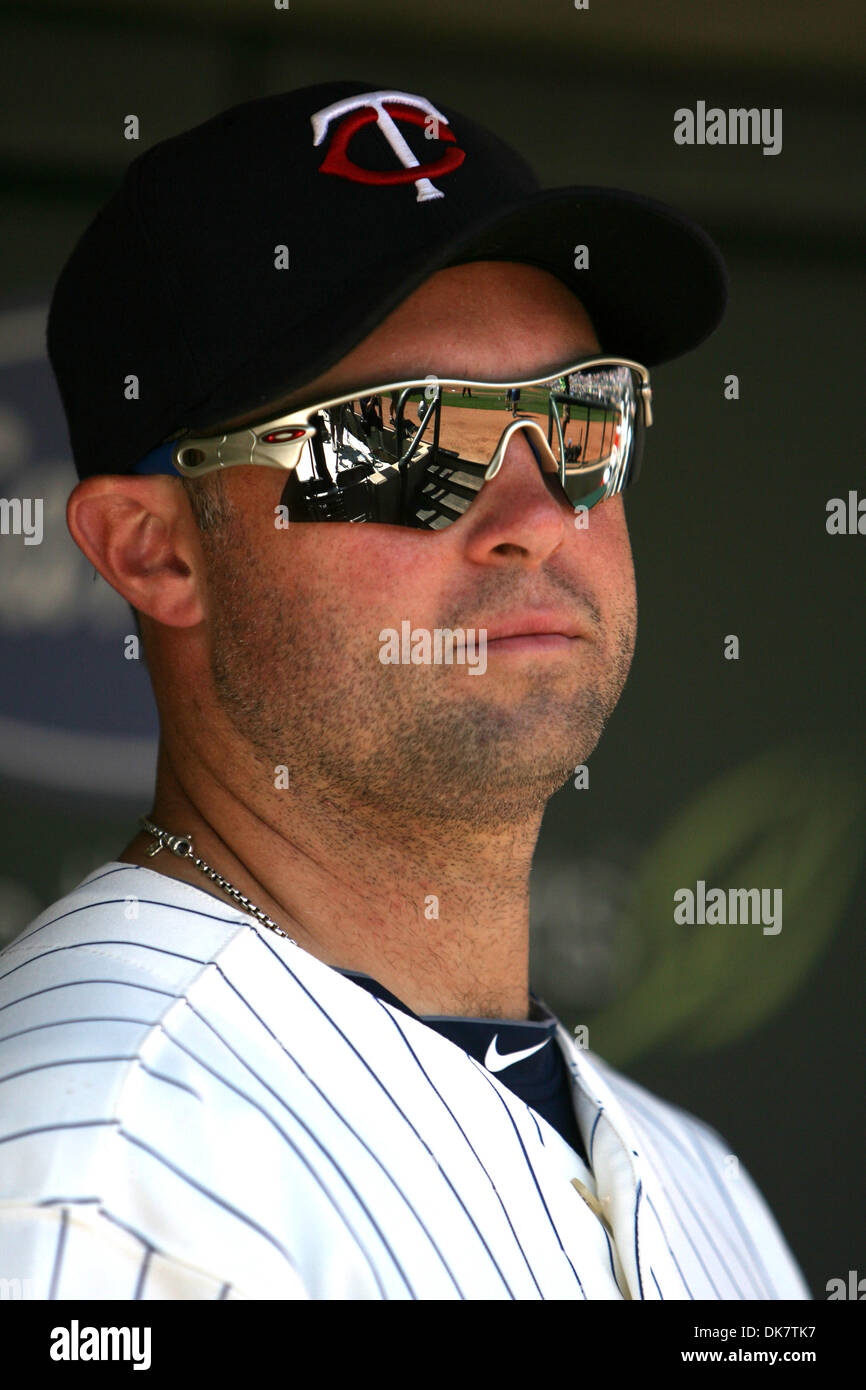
column 532, row 623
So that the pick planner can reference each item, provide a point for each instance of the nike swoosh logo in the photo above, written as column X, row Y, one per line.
column 495, row 1061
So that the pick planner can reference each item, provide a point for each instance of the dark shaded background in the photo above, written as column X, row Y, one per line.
column 745, row 773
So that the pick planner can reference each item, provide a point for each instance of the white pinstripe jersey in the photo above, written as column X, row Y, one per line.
column 193, row 1108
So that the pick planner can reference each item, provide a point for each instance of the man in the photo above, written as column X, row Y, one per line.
column 284, row 1046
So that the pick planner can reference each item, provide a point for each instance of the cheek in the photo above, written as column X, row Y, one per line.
column 608, row 563
column 372, row 573
column 610, row 547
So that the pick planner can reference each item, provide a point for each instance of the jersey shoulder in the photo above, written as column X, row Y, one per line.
column 699, row 1167
column 84, row 992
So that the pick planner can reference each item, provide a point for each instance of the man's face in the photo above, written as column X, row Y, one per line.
column 295, row 615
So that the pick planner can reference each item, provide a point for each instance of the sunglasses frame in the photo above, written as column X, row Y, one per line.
column 279, row 442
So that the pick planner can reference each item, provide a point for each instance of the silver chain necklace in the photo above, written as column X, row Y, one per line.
column 182, row 846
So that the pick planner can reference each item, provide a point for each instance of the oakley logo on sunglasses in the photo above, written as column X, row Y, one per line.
column 288, row 435
column 371, row 106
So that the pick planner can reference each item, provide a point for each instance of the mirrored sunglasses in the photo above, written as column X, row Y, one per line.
column 417, row 453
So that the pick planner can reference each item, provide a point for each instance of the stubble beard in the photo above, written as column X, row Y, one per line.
column 400, row 746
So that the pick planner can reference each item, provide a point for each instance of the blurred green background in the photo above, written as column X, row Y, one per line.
column 745, row 773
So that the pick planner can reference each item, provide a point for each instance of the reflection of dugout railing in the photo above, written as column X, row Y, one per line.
column 362, row 453
column 574, row 452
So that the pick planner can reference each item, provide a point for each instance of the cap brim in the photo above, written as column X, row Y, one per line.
column 655, row 286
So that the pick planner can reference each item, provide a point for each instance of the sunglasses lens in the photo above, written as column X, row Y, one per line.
column 443, row 454
column 418, row 457
column 599, row 424
column 347, row 471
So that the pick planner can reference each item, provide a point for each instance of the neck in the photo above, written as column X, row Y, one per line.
column 438, row 912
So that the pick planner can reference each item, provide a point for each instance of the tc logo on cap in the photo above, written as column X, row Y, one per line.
column 371, row 106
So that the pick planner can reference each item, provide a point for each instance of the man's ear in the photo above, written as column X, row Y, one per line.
column 140, row 534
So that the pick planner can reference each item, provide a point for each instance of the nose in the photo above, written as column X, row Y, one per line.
column 521, row 512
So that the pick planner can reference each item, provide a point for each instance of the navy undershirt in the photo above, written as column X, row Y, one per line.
column 541, row 1080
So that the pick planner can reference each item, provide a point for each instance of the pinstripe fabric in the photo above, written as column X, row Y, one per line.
column 191, row 1107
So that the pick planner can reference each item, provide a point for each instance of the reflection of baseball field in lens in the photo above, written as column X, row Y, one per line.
column 473, row 433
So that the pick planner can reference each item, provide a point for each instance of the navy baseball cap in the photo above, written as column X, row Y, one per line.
column 242, row 258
